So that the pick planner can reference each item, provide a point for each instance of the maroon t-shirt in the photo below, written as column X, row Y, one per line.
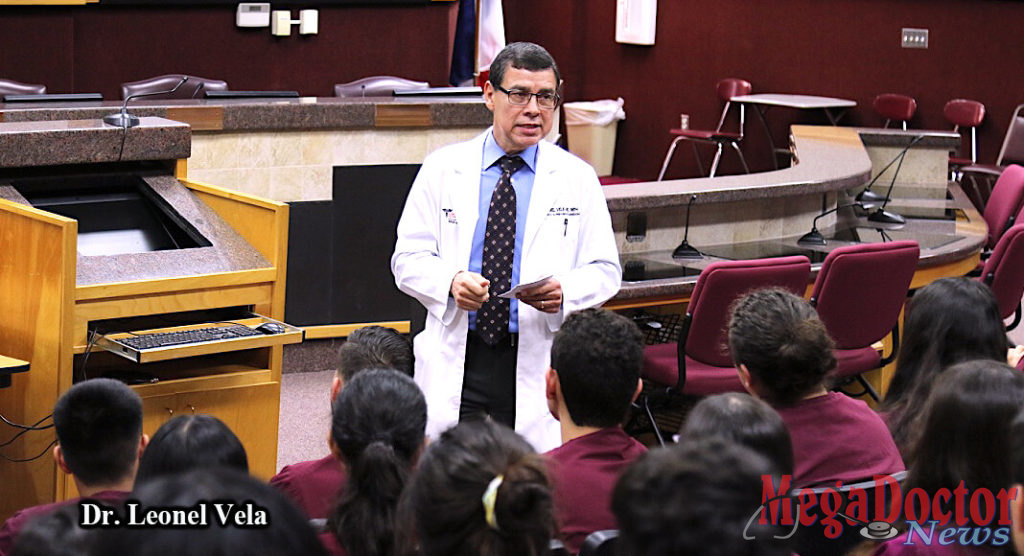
column 583, row 473
column 838, row 438
column 313, row 485
column 15, row 523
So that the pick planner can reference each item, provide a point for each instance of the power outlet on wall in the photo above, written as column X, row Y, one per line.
column 914, row 38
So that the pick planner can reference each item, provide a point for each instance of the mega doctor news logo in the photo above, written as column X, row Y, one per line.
column 879, row 509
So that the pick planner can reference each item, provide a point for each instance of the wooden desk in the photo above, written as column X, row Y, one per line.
column 9, row 366
column 834, row 108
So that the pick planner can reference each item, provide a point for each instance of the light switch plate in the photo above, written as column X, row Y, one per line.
column 914, row 38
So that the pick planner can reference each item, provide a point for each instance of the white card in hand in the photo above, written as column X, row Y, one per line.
column 512, row 293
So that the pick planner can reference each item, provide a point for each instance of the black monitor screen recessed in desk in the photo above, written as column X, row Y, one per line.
column 116, row 214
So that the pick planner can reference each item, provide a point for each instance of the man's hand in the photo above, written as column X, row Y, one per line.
column 469, row 290
column 546, row 297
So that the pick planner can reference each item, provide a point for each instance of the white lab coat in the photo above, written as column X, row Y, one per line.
column 568, row 235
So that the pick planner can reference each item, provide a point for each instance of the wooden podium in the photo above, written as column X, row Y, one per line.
column 52, row 307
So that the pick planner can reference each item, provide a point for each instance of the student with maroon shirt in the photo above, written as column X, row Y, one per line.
column 783, row 354
column 99, row 441
column 314, row 485
column 594, row 376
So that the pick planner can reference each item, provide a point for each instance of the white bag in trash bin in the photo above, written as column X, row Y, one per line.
column 591, row 127
column 595, row 112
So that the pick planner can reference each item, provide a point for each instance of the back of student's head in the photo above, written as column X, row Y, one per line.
column 188, row 442
column 948, row 321
column 966, row 428
column 57, row 533
column 374, row 347
column 481, row 490
column 746, row 420
column 783, row 344
column 1017, row 448
column 598, row 356
column 287, row 531
column 378, row 423
column 694, row 498
column 99, row 424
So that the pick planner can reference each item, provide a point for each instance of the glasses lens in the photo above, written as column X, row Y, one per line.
column 546, row 100
column 519, row 97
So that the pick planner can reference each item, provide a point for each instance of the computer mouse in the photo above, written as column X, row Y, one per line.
column 270, row 328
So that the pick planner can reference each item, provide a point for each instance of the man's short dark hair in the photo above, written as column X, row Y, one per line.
column 598, row 356
column 525, row 56
column 695, row 498
column 98, row 424
column 374, row 347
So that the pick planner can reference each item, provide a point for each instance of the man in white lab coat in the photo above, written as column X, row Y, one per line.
column 480, row 354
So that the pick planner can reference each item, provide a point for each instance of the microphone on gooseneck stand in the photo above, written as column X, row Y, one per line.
column 125, row 120
column 814, row 237
column 868, row 196
column 199, row 89
column 685, row 250
column 882, row 215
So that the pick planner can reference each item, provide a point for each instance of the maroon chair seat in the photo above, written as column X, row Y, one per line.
column 12, row 87
column 1005, row 201
column 725, row 89
column 195, row 87
column 859, row 293
column 895, row 108
column 703, row 365
column 1004, row 273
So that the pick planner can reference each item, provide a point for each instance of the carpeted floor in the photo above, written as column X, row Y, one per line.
column 305, row 417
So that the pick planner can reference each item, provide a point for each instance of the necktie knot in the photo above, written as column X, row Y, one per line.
column 510, row 164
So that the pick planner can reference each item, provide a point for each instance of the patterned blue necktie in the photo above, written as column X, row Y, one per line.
column 499, row 250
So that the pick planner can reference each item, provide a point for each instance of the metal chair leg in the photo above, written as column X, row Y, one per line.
column 714, row 163
column 668, row 157
column 736, row 146
column 696, row 154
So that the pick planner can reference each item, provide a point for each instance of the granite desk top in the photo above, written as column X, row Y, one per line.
column 52, row 143
column 252, row 114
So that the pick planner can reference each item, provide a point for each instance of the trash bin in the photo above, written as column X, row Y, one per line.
column 591, row 127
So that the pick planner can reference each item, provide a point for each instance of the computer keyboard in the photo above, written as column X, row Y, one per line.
column 164, row 339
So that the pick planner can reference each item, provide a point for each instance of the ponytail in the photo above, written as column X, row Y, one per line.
column 364, row 518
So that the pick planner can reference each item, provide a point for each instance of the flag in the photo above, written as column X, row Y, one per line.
column 491, row 34
column 464, row 49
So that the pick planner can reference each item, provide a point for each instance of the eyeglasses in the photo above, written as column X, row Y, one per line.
column 546, row 100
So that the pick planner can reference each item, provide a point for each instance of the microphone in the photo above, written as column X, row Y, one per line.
column 868, row 196
column 199, row 89
column 814, row 237
column 125, row 120
column 685, row 250
column 880, row 214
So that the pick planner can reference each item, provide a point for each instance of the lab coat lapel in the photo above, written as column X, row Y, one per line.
column 542, row 198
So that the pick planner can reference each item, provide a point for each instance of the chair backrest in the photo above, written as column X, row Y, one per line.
column 1004, row 270
column 1004, row 203
column 720, row 285
column 726, row 89
column 962, row 112
column 190, row 89
column 811, row 540
column 11, row 87
column 860, row 290
column 600, row 543
column 376, row 86
column 1012, row 151
column 895, row 107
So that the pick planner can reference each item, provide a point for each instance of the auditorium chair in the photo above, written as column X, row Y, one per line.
column 895, row 108
column 699, row 362
column 377, row 86
column 1005, row 201
column 1012, row 152
column 964, row 113
column 11, row 87
column 725, row 89
column 195, row 87
column 601, row 543
column 1004, row 274
column 859, row 293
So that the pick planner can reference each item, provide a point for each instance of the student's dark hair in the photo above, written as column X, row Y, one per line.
column 374, row 347
column 746, row 420
column 694, row 498
column 288, row 531
column 57, row 533
column 966, row 433
column 525, row 56
column 99, row 424
column 189, row 442
column 445, row 497
column 1017, row 448
column 948, row 321
column 598, row 356
column 782, row 342
column 378, row 423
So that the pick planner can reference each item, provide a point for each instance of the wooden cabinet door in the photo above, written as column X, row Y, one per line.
column 251, row 412
column 157, row 410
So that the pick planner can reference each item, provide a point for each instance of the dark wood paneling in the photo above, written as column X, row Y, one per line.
column 846, row 48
